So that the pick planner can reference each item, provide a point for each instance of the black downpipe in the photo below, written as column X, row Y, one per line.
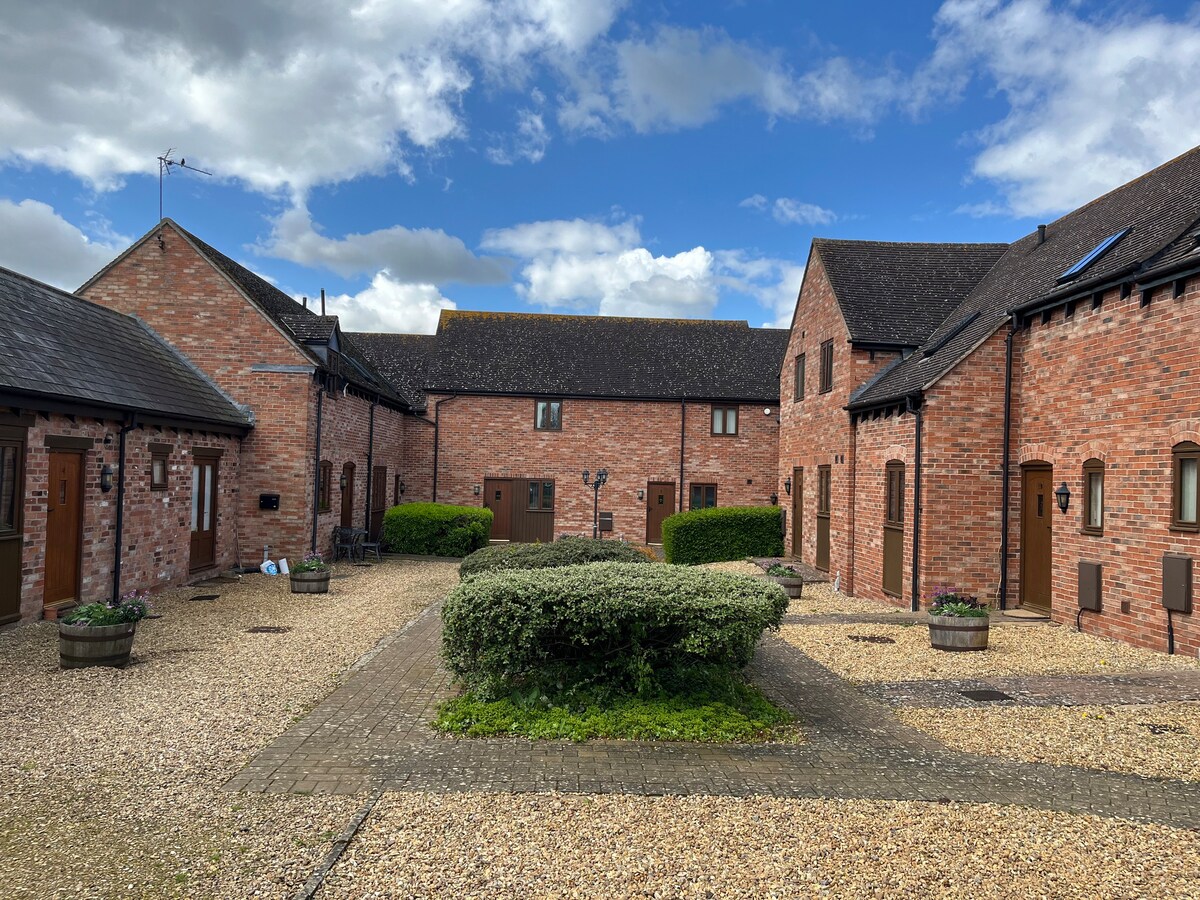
column 120, row 529
column 370, row 464
column 1006, row 463
column 437, row 438
column 1170, row 634
column 914, row 406
column 682, row 432
column 316, row 510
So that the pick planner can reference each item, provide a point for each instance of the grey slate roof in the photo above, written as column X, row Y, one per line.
column 311, row 328
column 898, row 293
column 1160, row 208
column 57, row 346
column 401, row 358
column 605, row 356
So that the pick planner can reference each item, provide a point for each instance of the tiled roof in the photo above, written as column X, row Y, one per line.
column 898, row 293
column 311, row 328
column 605, row 356
column 401, row 358
column 58, row 346
column 1158, row 208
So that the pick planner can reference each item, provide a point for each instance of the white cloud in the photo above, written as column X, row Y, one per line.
column 412, row 256
column 774, row 283
column 1093, row 102
column 528, row 143
column 390, row 305
column 789, row 211
column 38, row 242
column 281, row 96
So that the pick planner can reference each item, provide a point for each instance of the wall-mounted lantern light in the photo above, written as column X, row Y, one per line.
column 641, row 494
column 787, row 485
column 106, row 477
column 1063, row 494
column 400, row 487
column 774, row 499
column 342, row 482
column 476, row 489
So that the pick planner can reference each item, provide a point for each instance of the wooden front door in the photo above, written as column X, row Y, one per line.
column 893, row 529
column 1037, row 525
column 64, row 526
column 348, row 496
column 660, row 503
column 824, row 492
column 498, row 497
column 12, row 470
column 378, row 500
column 797, row 512
column 203, row 552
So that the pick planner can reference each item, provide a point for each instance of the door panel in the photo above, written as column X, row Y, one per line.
column 797, row 512
column 12, row 469
column 1037, row 524
column 348, row 496
column 660, row 503
column 378, row 500
column 824, row 491
column 893, row 530
column 64, row 526
column 498, row 497
column 203, row 551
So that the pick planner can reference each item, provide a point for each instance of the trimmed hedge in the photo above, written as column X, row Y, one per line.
column 436, row 529
column 612, row 628
column 722, row 533
column 566, row 551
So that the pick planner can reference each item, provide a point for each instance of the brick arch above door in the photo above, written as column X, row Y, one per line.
column 1185, row 430
column 1036, row 453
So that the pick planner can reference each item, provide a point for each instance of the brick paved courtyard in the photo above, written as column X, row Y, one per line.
column 373, row 733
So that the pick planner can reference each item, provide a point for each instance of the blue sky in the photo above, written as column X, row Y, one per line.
column 664, row 158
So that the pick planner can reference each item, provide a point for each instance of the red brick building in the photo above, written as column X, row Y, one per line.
column 1062, row 370
column 119, row 461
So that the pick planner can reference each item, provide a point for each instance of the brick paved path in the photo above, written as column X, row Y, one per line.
column 372, row 732
column 1045, row 690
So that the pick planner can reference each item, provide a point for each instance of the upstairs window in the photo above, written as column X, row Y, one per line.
column 704, row 496
column 1098, row 251
column 725, row 420
column 1093, row 497
column 548, row 415
column 827, row 367
column 800, row 362
column 158, row 470
column 1186, row 490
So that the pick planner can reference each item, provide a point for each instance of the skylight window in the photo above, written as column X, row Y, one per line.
column 1101, row 248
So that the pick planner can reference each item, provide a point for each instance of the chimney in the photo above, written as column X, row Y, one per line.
column 306, row 301
column 323, row 299
column 1041, row 235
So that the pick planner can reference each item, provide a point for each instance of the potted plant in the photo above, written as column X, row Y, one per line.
column 788, row 578
column 957, row 621
column 101, row 634
column 310, row 575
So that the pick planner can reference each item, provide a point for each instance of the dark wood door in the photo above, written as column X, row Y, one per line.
column 64, row 526
column 378, row 500
column 893, row 529
column 348, row 496
column 203, row 551
column 660, row 503
column 498, row 497
column 797, row 512
column 1037, row 524
column 12, row 469
column 824, row 492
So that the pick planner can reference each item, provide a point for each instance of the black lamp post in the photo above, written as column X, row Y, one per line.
column 1063, row 495
column 787, row 485
column 601, row 478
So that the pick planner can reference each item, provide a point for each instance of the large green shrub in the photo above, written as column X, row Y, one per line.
column 722, row 533
column 620, row 628
column 436, row 529
column 566, row 551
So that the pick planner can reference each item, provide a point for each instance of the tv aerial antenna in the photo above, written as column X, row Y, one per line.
column 165, row 165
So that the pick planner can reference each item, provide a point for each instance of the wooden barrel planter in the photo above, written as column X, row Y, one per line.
column 958, row 633
column 791, row 586
column 80, row 646
column 310, row 582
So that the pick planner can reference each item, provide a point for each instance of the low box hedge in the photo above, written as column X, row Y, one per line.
column 436, row 529
column 566, row 551
column 620, row 628
column 722, row 533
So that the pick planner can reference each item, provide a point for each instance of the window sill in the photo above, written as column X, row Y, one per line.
column 1185, row 529
column 1092, row 532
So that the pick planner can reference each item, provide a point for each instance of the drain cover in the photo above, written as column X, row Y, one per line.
column 871, row 639
column 1161, row 728
column 205, row 598
column 268, row 629
column 985, row 696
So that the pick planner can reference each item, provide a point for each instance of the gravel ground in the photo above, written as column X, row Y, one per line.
column 1012, row 650
column 612, row 846
column 819, row 599
column 112, row 778
column 735, row 567
column 1111, row 738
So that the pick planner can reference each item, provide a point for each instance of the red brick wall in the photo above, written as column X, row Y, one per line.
column 418, row 457
column 637, row 441
column 1120, row 384
column 877, row 442
column 157, row 524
